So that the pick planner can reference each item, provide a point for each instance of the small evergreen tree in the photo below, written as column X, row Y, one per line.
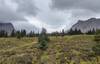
column 18, row 34
column 13, row 34
column 91, row 32
column 43, row 40
column 70, row 32
column 23, row 33
column 31, row 34
column 6, row 34
column 96, row 47
column 74, row 32
column 79, row 32
column 63, row 33
column 97, row 36
column 3, row 33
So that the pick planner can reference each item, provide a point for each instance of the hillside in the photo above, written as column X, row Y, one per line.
column 69, row 49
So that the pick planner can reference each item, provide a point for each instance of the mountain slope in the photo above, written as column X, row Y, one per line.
column 87, row 25
column 7, row 27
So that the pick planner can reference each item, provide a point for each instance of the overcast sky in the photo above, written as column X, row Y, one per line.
column 53, row 15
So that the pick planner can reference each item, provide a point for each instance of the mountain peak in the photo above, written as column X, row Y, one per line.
column 7, row 27
column 86, row 25
column 92, row 19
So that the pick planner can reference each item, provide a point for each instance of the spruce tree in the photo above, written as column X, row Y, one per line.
column 43, row 40
column 70, row 32
column 63, row 33
column 2, row 33
column 23, row 33
column 13, row 34
column 96, row 47
column 30, row 34
column 18, row 34
column 79, row 31
column 6, row 34
column 93, row 31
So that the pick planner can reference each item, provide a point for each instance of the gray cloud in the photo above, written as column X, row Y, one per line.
column 11, row 16
column 8, row 14
column 16, row 10
column 83, row 14
column 54, row 18
column 79, row 9
column 26, row 6
column 92, row 5
column 53, row 14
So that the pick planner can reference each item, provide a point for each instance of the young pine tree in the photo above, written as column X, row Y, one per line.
column 23, row 33
column 96, row 47
column 43, row 40
column 18, row 34
column 31, row 34
column 3, row 33
column 13, row 34
column 63, row 33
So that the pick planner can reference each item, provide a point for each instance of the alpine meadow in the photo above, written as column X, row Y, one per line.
column 49, row 32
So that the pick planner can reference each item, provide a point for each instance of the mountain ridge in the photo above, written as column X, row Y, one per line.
column 7, row 27
column 86, row 25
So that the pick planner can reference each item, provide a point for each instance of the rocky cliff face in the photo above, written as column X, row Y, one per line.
column 7, row 27
column 87, row 25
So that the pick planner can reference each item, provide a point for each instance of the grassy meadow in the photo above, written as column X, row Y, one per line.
column 75, row 49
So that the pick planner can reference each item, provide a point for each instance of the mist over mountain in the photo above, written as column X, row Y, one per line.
column 86, row 25
column 27, row 26
column 9, row 27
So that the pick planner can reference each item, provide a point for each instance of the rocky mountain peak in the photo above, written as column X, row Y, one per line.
column 86, row 25
column 7, row 27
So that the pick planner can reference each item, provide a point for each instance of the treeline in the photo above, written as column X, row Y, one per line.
column 72, row 32
column 23, row 33
column 18, row 34
column 79, row 32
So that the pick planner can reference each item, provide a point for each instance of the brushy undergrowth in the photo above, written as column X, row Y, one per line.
column 61, row 50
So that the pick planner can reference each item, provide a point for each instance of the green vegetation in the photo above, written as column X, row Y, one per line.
column 75, row 49
column 96, row 47
column 43, row 40
column 3, row 33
